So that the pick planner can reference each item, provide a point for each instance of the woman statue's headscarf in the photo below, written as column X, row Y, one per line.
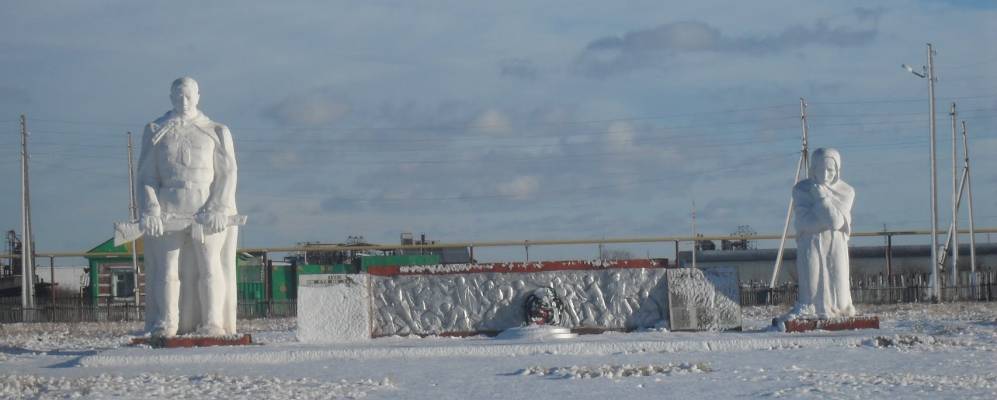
column 842, row 194
column 826, row 153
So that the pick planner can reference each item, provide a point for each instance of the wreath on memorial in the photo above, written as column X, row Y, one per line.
column 543, row 307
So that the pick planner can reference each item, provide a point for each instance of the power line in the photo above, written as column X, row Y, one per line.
column 637, row 148
column 679, row 138
column 471, row 126
column 818, row 114
column 971, row 64
column 561, row 191
column 683, row 132
column 658, row 131
column 446, row 127
column 599, row 132
column 911, row 100
column 479, row 136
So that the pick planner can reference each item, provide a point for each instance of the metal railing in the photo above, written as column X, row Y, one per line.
column 909, row 288
column 512, row 243
column 80, row 311
column 878, row 289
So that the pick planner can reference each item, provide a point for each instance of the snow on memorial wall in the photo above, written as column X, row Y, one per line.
column 703, row 299
column 333, row 308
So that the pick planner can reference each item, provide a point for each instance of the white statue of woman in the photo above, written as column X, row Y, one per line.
column 823, row 219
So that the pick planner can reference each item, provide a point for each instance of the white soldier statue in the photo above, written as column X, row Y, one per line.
column 186, row 198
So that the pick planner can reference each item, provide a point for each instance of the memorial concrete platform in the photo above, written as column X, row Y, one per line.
column 193, row 341
column 833, row 324
column 408, row 348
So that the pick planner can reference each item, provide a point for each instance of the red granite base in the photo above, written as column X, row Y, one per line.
column 194, row 341
column 833, row 324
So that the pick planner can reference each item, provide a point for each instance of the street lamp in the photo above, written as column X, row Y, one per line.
column 910, row 69
column 928, row 72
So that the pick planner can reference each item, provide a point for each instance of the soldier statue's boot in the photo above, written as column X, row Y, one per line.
column 212, row 303
column 163, row 329
column 210, row 330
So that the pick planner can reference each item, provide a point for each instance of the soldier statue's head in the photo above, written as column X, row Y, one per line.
column 184, row 96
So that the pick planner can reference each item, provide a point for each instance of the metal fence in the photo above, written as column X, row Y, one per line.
column 77, row 311
column 879, row 289
column 911, row 288
column 268, row 309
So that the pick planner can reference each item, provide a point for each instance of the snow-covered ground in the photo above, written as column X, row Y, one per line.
column 922, row 351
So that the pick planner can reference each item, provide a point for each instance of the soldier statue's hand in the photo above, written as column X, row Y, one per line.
column 152, row 225
column 214, row 221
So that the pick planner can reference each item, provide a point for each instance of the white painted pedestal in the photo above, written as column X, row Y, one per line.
column 333, row 308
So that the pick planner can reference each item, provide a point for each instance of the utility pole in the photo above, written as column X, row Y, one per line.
column 949, row 237
column 889, row 251
column 954, row 274
column 27, row 245
column 952, row 239
column 928, row 73
column 936, row 294
column 133, row 213
column 804, row 152
column 969, row 187
column 677, row 252
column 804, row 167
column 695, row 239
column 51, row 275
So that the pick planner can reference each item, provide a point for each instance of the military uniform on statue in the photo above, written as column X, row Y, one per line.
column 186, row 191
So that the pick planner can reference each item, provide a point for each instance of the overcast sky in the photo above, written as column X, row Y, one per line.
column 498, row 120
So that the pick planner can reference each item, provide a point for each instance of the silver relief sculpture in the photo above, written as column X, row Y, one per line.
column 823, row 207
column 480, row 302
column 186, row 193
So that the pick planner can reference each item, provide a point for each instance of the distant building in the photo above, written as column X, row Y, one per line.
column 111, row 275
column 448, row 255
column 757, row 264
column 67, row 278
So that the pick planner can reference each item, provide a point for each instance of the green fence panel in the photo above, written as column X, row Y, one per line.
column 284, row 283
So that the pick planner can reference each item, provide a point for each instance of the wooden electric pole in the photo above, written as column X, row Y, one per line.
column 695, row 239
column 133, row 213
column 802, row 167
column 969, row 189
column 954, row 274
column 936, row 290
column 27, row 244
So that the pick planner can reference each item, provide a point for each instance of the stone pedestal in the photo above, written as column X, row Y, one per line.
column 334, row 309
column 194, row 341
column 833, row 324
column 703, row 299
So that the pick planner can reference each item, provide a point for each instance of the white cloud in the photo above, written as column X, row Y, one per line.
column 313, row 109
column 284, row 159
column 620, row 136
column 643, row 48
column 492, row 121
column 520, row 188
